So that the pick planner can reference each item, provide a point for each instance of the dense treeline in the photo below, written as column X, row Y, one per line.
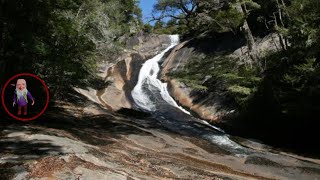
column 62, row 40
column 276, row 90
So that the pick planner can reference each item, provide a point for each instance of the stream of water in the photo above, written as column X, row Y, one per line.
column 151, row 95
column 148, row 77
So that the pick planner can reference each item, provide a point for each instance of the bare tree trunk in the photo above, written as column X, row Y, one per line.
column 274, row 42
column 249, row 36
column 286, row 39
column 80, row 9
column 280, row 12
column 279, row 35
column 246, row 28
column 252, row 50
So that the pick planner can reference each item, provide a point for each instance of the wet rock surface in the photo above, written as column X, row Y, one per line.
column 84, row 144
column 84, row 140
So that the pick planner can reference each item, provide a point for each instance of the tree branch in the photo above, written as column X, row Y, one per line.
column 184, row 8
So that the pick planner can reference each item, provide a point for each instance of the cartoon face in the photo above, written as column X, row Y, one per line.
column 21, row 84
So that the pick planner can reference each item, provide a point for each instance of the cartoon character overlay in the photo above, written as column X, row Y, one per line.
column 21, row 96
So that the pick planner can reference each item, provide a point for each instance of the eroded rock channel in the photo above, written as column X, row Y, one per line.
column 102, row 135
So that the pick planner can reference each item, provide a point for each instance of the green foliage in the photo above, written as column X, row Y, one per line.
column 169, row 27
column 295, row 77
column 238, row 81
column 290, row 78
column 240, row 90
column 250, row 4
column 192, row 83
column 147, row 28
column 194, row 17
column 226, row 20
column 304, row 23
column 61, row 41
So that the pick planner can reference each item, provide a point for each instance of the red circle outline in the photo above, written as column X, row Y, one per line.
column 43, row 110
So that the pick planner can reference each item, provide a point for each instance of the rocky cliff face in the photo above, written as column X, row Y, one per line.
column 209, row 105
column 122, row 74
column 181, row 92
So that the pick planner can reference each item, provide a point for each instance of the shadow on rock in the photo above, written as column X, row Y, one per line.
column 16, row 149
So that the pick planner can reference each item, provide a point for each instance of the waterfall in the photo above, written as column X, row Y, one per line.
column 148, row 77
column 150, row 94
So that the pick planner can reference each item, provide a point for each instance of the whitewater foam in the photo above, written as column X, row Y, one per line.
column 148, row 74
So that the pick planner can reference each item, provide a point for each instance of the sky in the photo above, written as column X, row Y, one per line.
column 146, row 6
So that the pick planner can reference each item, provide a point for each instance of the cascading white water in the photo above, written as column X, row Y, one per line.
column 148, row 81
column 148, row 74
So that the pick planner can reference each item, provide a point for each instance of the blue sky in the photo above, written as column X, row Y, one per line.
column 146, row 6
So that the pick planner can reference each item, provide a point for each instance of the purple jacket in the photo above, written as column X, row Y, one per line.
column 22, row 101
